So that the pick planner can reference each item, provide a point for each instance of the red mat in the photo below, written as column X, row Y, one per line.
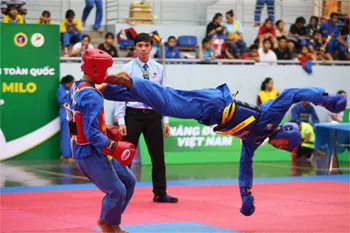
column 282, row 207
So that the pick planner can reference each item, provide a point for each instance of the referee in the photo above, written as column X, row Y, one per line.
column 136, row 118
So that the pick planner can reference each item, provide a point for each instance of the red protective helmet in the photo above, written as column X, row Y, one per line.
column 95, row 64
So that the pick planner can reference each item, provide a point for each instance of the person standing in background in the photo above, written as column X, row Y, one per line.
column 267, row 92
column 63, row 95
column 259, row 6
column 302, row 112
column 89, row 4
column 136, row 118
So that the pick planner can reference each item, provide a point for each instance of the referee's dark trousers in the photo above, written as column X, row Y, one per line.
column 149, row 122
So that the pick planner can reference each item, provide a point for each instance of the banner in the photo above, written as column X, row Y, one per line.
column 191, row 142
column 29, row 78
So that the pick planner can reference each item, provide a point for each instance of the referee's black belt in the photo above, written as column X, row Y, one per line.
column 140, row 110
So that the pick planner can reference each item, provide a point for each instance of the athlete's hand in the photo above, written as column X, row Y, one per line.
column 166, row 130
column 248, row 206
column 122, row 129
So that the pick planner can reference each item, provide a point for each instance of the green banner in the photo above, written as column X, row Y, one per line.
column 29, row 74
column 191, row 142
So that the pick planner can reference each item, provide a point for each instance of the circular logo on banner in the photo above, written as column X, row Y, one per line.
column 37, row 40
column 20, row 39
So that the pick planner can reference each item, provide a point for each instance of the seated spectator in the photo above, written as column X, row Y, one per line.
column 70, row 29
column 313, row 25
column 302, row 112
column 235, row 41
column 308, row 140
column 282, row 51
column 45, row 18
column 205, row 50
column 298, row 32
column 265, row 52
column 336, row 43
column 80, row 47
column 253, row 54
column 266, row 31
column 280, row 31
column 19, row 4
column 215, row 27
column 292, row 49
column 108, row 45
column 170, row 48
column 338, row 117
column 12, row 16
column 267, row 92
column 315, row 45
column 306, row 54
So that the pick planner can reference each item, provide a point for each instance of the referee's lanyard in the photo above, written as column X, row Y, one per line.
column 144, row 69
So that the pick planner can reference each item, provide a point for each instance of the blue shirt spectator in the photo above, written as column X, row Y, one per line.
column 205, row 50
column 301, row 112
column 170, row 49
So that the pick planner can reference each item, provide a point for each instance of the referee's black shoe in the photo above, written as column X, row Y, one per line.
column 165, row 199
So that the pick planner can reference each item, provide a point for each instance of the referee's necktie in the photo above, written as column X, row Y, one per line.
column 145, row 71
column 145, row 76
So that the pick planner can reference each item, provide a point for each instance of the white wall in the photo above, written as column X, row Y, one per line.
column 245, row 78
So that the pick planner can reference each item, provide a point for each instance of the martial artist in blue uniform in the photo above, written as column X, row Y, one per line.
column 218, row 107
column 62, row 95
column 94, row 143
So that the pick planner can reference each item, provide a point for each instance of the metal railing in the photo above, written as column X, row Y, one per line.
column 219, row 61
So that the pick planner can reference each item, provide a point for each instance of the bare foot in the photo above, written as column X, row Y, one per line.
column 106, row 228
column 117, row 229
column 121, row 78
column 84, row 23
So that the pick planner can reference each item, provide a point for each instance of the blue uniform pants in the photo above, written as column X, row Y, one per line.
column 270, row 9
column 112, row 178
column 65, row 139
column 89, row 4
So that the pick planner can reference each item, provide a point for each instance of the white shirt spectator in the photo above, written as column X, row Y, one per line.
column 265, row 57
column 78, row 46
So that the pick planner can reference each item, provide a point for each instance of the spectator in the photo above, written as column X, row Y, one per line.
column 80, row 47
column 282, row 51
column 336, row 43
column 45, row 18
column 302, row 112
column 89, row 4
column 298, row 32
column 280, row 31
column 63, row 95
column 70, row 30
column 308, row 139
column 315, row 47
column 253, row 54
column 267, row 92
column 214, row 27
column 108, row 45
column 292, row 49
column 265, row 52
column 338, row 117
column 19, row 4
column 235, row 40
column 170, row 49
column 313, row 25
column 12, row 16
column 270, row 10
column 266, row 31
column 205, row 50
column 306, row 54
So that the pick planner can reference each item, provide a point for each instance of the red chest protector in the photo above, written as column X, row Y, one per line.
column 79, row 137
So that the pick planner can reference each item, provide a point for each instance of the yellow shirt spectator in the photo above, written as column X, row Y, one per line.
column 38, row 21
column 66, row 26
column 307, row 135
column 7, row 19
column 265, row 96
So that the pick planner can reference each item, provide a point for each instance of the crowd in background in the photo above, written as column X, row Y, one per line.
column 317, row 39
